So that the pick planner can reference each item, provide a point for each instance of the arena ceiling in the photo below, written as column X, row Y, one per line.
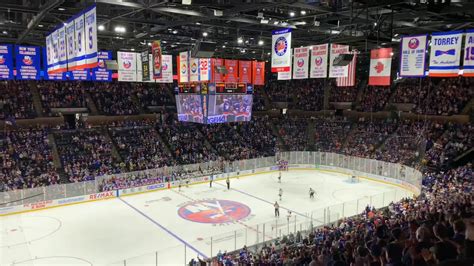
column 362, row 24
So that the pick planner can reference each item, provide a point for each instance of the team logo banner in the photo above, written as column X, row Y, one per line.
column 337, row 71
column 281, row 50
column 6, row 61
column 183, row 67
column 127, row 66
column 413, row 56
column 145, row 66
column 380, row 67
column 232, row 67
column 245, row 71
column 300, row 63
column 258, row 73
column 70, row 44
column 91, row 38
column 445, row 56
column 204, row 69
column 80, row 75
column 469, row 54
column 167, row 69
column 216, row 75
column 100, row 73
column 319, row 61
column 157, row 58
column 27, row 62
column 194, row 69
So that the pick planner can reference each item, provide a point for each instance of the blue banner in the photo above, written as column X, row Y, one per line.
column 46, row 76
column 27, row 62
column 80, row 75
column 100, row 73
column 6, row 61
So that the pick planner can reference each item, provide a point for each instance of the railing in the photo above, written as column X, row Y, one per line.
column 407, row 178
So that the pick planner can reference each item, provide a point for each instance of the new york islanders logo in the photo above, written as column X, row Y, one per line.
column 300, row 62
column 413, row 43
column 27, row 60
column 214, row 211
column 2, row 59
column 281, row 46
column 194, row 68
column 183, row 69
column 318, row 60
column 127, row 64
column 101, row 64
column 164, row 66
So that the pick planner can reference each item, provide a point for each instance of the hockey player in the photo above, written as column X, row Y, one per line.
column 280, row 193
column 179, row 185
column 210, row 181
column 279, row 177
column 311, row 193
column 277, row 209
column 228, row 183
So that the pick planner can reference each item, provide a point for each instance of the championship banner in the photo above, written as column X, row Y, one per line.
column 183, row 67
column 380, row 67
column 157, row 58
column 79, row 43
column 258, row 73
column 217, row 63
column 80, row 75
column 194, row 69
column 232, row 67
column 469, row 54
column 62, row 64
column 127, row 66
column 146, row 66
column 319, row 61
column 6, row 61
column 91, row 38
column 204, row 69
column 445, row 56
column 300, row 63
column 413, row 56
column 27, row 62
column 337, row 71
column 52, row 76
column 70, row 44
column 245, row 71
column 100, row 73
column 166, row 69
column 281, row 50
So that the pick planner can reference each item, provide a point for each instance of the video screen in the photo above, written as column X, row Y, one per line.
column 189, row 108
column 229, row 108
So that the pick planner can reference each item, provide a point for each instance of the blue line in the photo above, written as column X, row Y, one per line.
column 165, row 229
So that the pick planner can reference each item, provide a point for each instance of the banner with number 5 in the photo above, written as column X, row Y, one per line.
column 91, row 37
column 469, row 54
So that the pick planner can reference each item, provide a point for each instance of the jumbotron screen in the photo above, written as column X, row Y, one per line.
column 225, row 108
column 190, row 108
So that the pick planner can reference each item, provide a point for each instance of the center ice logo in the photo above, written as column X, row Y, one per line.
column 214, row 211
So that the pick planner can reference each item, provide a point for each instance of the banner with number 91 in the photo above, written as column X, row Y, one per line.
column 469, row 54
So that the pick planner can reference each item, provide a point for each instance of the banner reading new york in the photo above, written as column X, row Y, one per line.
column 281, row 50
column 27, row 62
column 469, row 54
column 300, row 63
column 445, row 56
column 319, row 61
column 338, row 71
column 413, row 55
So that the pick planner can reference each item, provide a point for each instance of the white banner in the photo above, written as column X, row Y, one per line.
column 62, row 50
column 284, row 75
column 54, row 51
column 469, row 54
column 338, row 71
column 91, row 38
column 300, row 63
column 204, row 69
column 70, row 44
column 194, row 69
column 319, row 61
column 183, row 67
column 445, row 56
column 281, row 50
column 166, row 69
column 413, row 56
column 80, row 42
column 139, row 68
column 127, row 66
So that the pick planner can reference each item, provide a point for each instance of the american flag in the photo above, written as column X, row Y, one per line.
column 348, row 81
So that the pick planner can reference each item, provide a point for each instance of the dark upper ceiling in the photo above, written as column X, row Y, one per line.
column 362, row 24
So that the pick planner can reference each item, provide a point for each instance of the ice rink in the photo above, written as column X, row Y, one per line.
column 171, row 227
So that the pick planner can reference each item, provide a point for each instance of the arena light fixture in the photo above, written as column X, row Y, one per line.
column 275, row 23
column 223, row 46
column 240, row 40
column 175, row 32
column 204, row 34
column 61, row 9
column 120, row 29
column 303, row 12
column 261, row 42
column 101, row 27
column 292, row 14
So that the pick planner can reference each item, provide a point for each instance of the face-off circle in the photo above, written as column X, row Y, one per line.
column 214, row 211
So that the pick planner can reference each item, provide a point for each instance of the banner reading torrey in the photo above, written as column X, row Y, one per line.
column 27, row 62
column 258, row 73
column 183, row 67
column 469, row 54
column 245, row 71
column 281, row 50
column 445, row 56
column 338, row 71
column 300, row 63
column 157, row 58
column 319, row 61
column 232, row 70
column 127, row 66
column 413, row 55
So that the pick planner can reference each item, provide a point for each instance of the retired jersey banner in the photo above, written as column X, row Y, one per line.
column 445, row 56
column 217, row 63
column 319, row 61
column 70, row 44
column 281, row 50
column 258, row 73
column 80, row 43
column 100, row 73
column 90, row 18
column 232, row 67
column 54, row 59
column 157, row 58
column 183, row 67
column 27, row 62
column 380, row 67
column 194, row 69
column 127, row 66
column 6, row 61
column 204, row 69
column 469, row 54
column 52, row 76
column 62, row 67
column 245, row 71
column 338, row 71
column 413, row 56
column 300, row 63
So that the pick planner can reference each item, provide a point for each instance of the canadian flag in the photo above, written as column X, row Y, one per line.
column 380, row 67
